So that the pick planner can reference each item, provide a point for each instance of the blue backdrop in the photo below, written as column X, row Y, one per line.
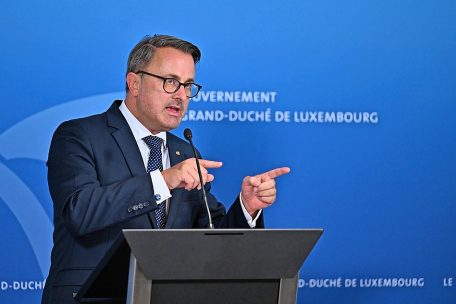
column 357, row 97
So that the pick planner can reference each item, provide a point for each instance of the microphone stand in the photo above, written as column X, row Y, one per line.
column 188, row 135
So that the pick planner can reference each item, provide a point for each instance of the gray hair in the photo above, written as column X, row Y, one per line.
column 141, row 55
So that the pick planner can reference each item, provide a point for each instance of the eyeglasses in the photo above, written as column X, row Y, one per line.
column 172, row 85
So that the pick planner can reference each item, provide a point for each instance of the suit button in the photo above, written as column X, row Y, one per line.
column 146, row 204
column 135, row 207
column 140, row 206
column 129, row 210
column 157, row 197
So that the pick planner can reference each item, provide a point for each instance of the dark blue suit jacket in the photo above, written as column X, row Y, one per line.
column 99, row 186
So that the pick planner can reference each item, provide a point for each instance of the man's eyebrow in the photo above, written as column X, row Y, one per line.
column 178, row 78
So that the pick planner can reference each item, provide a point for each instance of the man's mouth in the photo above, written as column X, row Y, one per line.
column 173, row 110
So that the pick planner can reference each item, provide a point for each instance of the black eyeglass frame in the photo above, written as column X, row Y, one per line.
column 186, row 84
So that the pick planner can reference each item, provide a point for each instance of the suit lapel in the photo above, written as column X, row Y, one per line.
column 125, row 139
column 176, row 150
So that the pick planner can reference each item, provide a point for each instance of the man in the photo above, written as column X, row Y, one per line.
column 123, row 169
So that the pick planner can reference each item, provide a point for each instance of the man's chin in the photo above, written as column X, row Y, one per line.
column 173, row 124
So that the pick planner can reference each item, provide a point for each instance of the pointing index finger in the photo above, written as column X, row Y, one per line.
column 275, row 173
column 210, row 163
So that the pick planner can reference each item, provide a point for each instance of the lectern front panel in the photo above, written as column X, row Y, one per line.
column 215, row 291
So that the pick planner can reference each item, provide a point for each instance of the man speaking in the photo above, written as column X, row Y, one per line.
column 122, row 169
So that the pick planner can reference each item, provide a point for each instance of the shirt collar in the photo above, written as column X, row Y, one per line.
column 137, row 128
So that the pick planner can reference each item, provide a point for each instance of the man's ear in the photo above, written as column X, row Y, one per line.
column 133, row 82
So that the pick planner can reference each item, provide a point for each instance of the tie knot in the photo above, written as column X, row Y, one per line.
column 153, row 142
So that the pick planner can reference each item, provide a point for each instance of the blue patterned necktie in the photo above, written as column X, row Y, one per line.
column 155, row 163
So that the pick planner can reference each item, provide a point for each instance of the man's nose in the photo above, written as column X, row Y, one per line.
column 181, row 93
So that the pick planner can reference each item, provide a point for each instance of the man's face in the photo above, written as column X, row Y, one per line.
column 156, row 109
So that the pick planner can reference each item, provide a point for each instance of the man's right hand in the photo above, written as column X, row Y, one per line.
column 185, row 174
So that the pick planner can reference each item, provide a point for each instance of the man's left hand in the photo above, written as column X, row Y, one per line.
column 259, row 191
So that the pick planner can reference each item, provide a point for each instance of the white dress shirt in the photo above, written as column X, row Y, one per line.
column 139, row 132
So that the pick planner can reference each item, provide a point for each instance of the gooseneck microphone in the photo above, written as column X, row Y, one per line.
column 188, row 135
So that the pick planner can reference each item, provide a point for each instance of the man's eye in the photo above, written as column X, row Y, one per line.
column 170, row 81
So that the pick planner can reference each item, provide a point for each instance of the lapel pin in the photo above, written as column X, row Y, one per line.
column 178, row 153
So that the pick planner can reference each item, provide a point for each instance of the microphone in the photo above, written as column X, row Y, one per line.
column 188, row 136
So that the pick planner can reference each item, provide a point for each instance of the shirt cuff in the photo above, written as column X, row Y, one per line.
column 161, row 190
column 251, row 221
